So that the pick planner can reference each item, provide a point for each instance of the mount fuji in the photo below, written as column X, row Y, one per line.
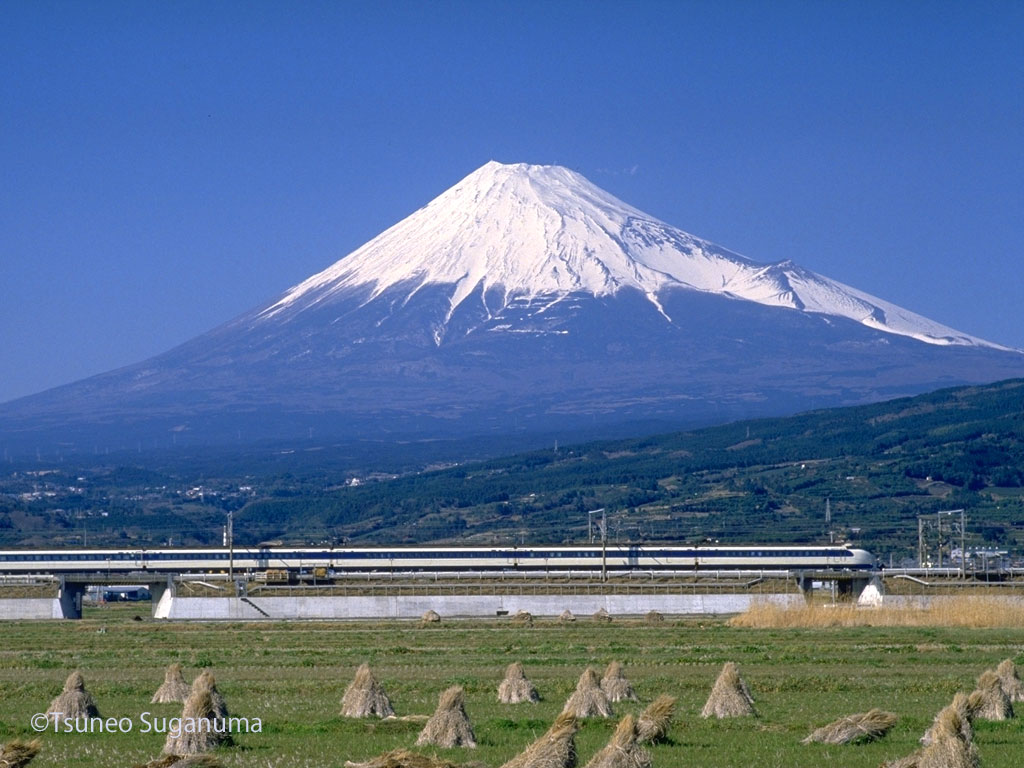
column 523, row 299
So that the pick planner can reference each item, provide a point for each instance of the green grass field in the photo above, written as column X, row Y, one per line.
column 292, row 676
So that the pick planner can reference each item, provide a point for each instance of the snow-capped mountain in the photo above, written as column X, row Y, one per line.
column 522, row 299
column 541, row 234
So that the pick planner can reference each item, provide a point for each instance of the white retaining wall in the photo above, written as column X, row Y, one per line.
column 926, row 601
column 31, row 608
column 412, row 607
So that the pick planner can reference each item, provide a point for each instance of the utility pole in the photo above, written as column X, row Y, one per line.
column 590, row 523
column 963, row 535
column 604, row 537
column 963, row 547
column 604, row 545
column 920, row 542
column 231, row 548
column 828, row 521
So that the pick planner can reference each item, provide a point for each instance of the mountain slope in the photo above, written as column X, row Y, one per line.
column 522, row 299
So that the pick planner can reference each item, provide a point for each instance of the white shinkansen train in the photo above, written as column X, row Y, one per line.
column 615, row 558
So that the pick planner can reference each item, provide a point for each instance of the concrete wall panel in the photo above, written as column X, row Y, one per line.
column 412, row 607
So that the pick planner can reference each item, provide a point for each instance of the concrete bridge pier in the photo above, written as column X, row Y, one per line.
column 848, row 588
column 163, row 593
column 851, row 589
column 69, row 600
column 806, row 583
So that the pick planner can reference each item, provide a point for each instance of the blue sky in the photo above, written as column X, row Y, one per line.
column 167, row 166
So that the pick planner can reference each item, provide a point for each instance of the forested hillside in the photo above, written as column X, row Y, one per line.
column 875, row 467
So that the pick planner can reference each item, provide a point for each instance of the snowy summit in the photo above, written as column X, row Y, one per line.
column 542, row 233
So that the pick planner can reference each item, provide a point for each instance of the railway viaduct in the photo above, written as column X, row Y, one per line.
column 175, row 597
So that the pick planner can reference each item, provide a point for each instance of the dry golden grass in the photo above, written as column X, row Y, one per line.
column 864, row 726
column 555, row 749
column 588, row 700
column 624, row 749
column 174, row 688
column 74, row 701
column 516, row 687
column 365, row 696
column 199, row 706
column 403, row 758
column 969, row 612
column 178, row 761
column 730, row 696
column 18, row 753
column 949, row 747
column 615, row 684
column 449, row 726
column 654, row 722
